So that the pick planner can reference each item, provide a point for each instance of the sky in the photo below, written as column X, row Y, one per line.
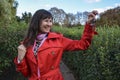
column 69, row 6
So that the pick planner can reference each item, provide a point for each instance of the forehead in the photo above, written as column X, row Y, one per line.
column 47, row 19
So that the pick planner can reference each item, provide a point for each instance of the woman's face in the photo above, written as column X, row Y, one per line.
column 46, row 25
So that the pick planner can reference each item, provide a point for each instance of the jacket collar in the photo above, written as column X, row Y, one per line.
column 54, row 35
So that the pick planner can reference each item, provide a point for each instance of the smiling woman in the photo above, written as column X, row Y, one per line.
column 40, row 53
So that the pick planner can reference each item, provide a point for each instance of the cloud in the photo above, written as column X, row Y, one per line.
column 100, row 10
column 92, row 1
column 49, row 6
column 117, row 4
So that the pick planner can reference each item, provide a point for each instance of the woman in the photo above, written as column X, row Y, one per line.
column 40, row 52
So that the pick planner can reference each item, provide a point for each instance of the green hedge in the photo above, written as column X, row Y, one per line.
column 10, row 36
column 100, row 62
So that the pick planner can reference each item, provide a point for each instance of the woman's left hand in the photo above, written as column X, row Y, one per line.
column 91, row 17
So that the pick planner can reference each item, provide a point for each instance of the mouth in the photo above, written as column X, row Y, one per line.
column 47, row 28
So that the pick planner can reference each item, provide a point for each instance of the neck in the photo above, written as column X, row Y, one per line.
column 41, row 36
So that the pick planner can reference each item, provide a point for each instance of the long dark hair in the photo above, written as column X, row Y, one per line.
column 34, row 26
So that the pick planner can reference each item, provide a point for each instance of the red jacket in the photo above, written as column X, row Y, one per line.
column 50, row 53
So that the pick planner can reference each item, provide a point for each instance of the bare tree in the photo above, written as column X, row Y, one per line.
column 58, row 15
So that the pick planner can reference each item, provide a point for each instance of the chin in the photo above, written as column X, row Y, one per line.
column 46, row 32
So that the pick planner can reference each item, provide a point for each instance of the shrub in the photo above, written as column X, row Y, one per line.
column 10, row 37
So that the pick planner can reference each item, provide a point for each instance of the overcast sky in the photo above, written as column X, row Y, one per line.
column 69, row 6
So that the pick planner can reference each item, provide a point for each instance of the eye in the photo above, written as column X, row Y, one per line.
column 50, row 20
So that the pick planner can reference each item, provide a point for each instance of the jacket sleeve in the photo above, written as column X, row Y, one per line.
column 83, row 43
column 22, row 67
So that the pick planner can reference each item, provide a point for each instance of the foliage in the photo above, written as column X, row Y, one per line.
column 26, row 17
column 69, row 32
column 9, row 39
column 110, row 17
column 7, row 11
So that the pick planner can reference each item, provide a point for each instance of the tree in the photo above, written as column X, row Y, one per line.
column 26, row 17
column 58, row 15
column 110, row 17
column 78, row 18
column 7, row 11
column 70, row 19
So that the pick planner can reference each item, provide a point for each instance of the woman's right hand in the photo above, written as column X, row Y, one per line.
column 21, row 52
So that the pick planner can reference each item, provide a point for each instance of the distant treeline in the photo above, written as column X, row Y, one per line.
column 8, row 15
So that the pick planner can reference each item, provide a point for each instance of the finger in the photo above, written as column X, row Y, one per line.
column 91, row 15
column 95, row 12
column 22, row 47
